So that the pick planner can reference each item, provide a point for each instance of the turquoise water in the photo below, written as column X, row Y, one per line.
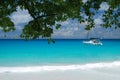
column 63, row 52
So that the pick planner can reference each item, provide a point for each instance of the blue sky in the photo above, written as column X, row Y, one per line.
column 70, row 29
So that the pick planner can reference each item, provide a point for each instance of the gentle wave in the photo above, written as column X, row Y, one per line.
column 61, row 68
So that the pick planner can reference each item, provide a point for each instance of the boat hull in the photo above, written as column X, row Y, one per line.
column 93, row 43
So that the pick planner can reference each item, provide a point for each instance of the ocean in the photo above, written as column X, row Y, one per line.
column 65, row 54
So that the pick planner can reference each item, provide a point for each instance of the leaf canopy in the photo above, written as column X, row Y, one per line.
column 47, row 13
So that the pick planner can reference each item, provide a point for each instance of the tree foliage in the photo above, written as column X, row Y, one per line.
column 48, row 13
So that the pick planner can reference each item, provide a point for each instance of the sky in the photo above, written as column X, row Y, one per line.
column 70, row 29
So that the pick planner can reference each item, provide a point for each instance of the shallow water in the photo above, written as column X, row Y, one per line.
column 39, row 52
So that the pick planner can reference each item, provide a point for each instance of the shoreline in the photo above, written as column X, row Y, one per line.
column 84, row 67
column 101, row 74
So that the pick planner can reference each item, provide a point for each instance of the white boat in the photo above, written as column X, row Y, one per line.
column 93, row 41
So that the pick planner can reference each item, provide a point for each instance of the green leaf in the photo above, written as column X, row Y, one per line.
column 58, row 26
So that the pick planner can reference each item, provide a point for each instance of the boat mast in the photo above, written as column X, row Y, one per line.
column 88, row 34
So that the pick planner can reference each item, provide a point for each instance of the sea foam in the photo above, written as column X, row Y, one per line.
column 60, row 67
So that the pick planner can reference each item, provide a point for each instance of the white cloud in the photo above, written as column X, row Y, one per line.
column 70, row 29
column 65, row 23
column 104, row 6
column 65, row 32
column 21, row 16
column 84, row 1
column 75, row 30
column 19, row 27
column 0, row 28
column 98, row 21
